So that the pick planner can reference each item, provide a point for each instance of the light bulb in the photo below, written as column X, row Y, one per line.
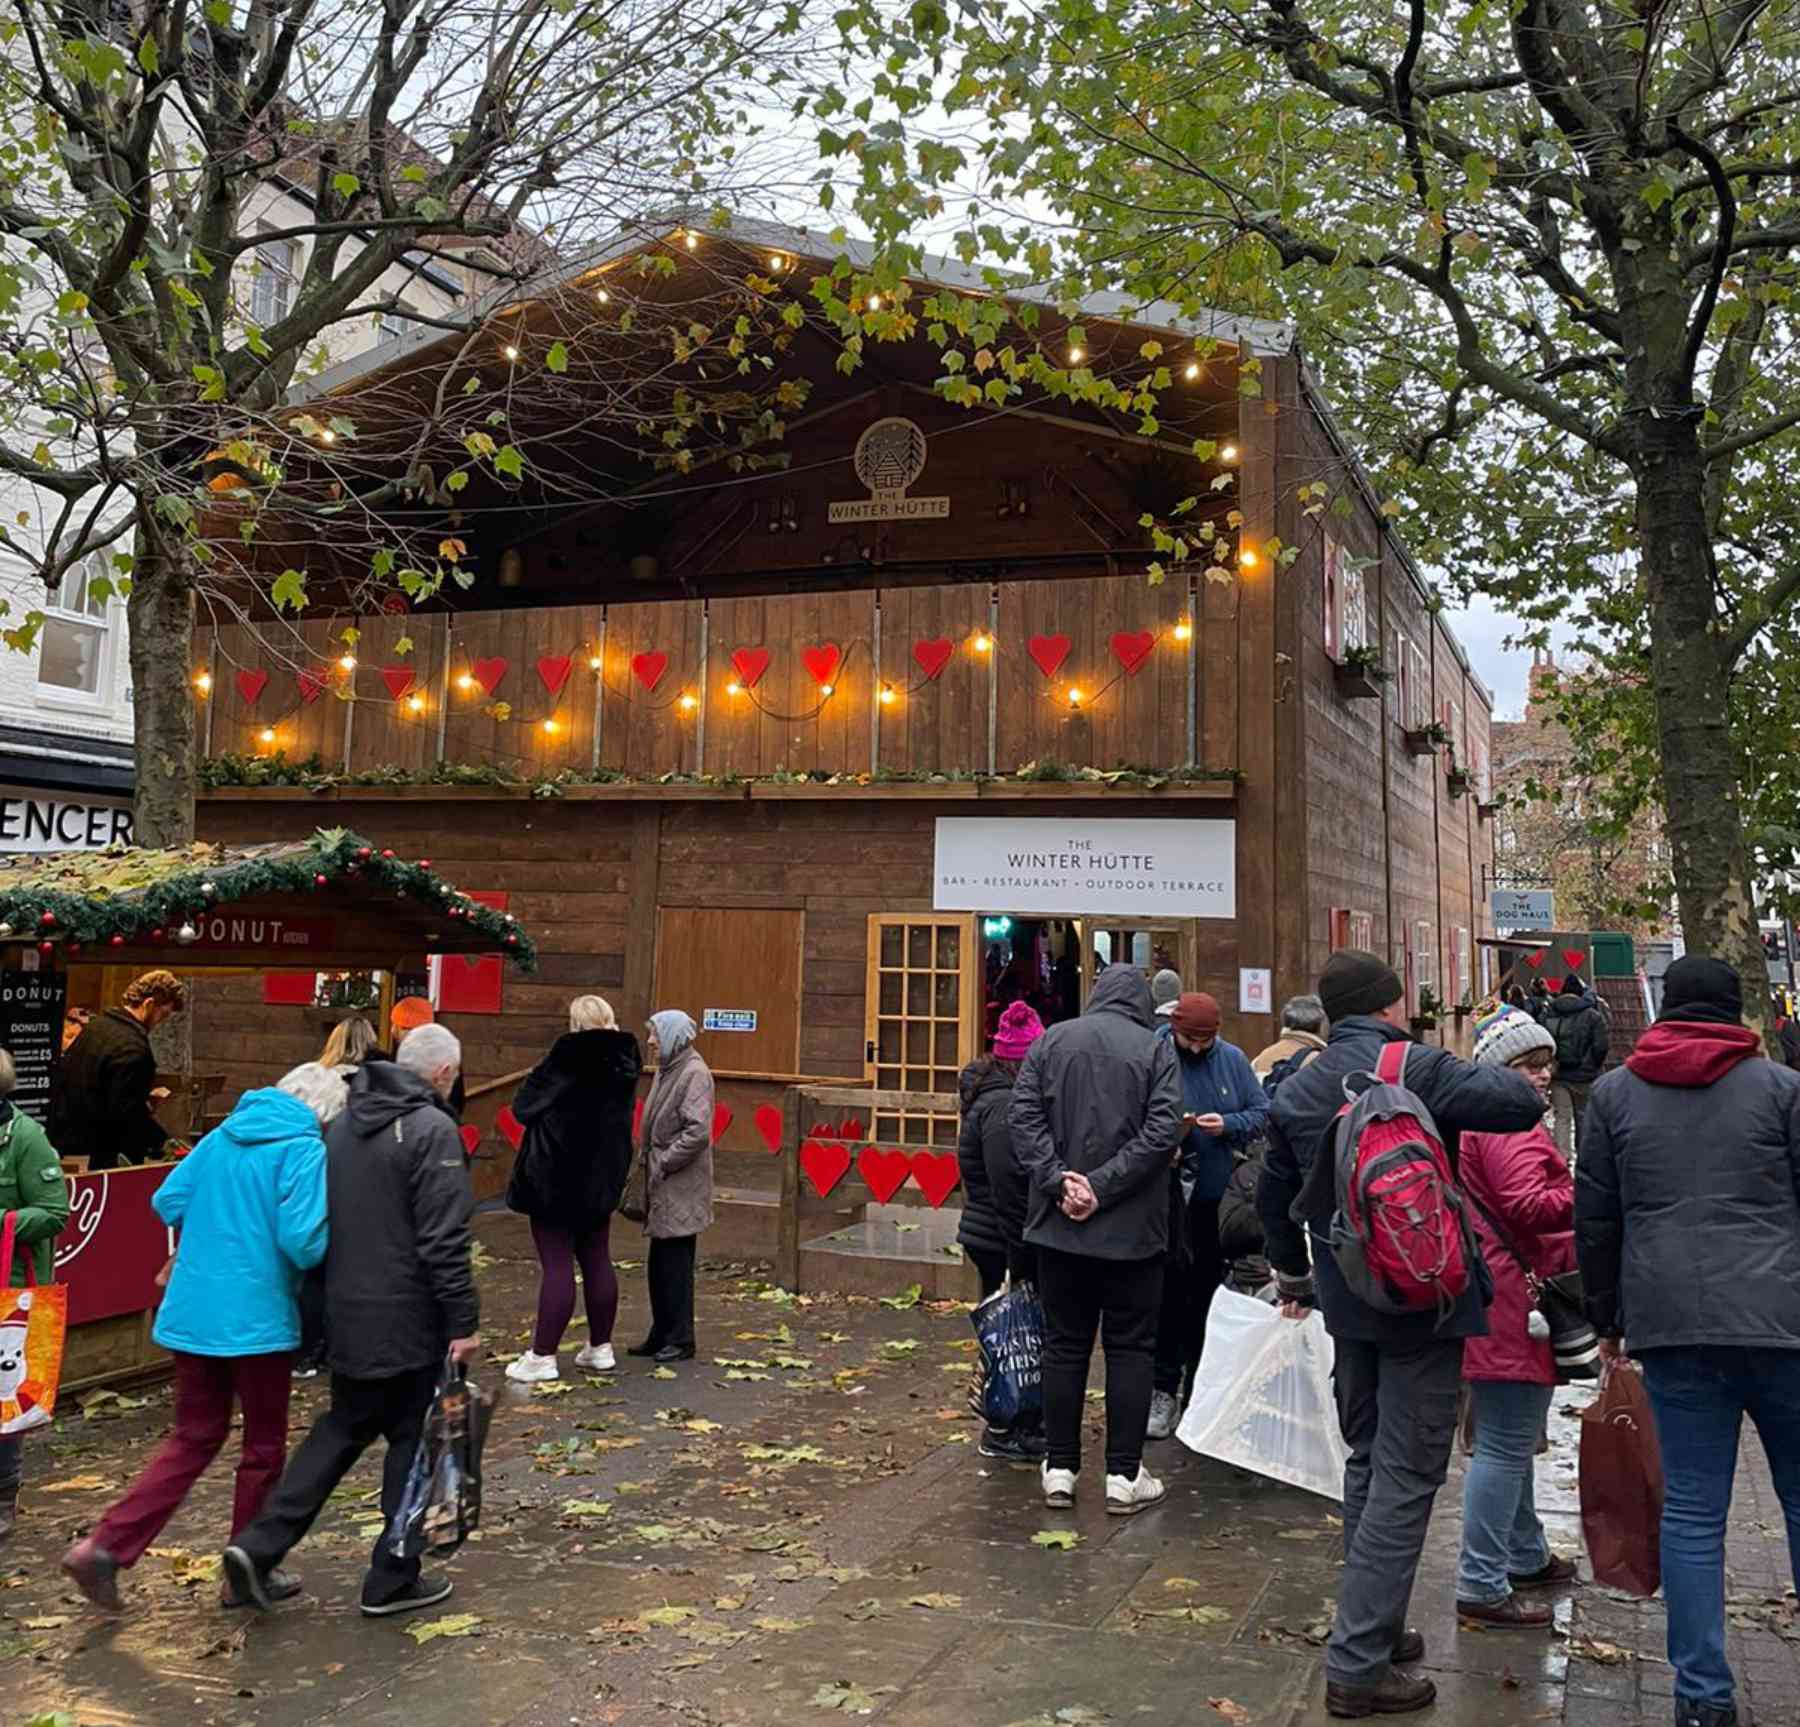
column 593, row 662
column 826, row 689
column 602, row 296
column 777, row 262
column 1077, row 355
column 1192, row 371
column 734, row 689
column 1183, row 630
column 1247, row 559
column 687, row 704
column 464, row 681
column 983, row 643
column 267, row 734
column 550, row 728
column 347, row 663
column 203, row 683
column 1074, row 698
column 1228, row 453
column 512, row 353
column 328, row 436
column 887, row 695
column 416, row 704
column 692, row 239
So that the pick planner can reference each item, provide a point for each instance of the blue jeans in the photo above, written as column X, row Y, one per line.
column 1502, row 1536
column 1701, row 1397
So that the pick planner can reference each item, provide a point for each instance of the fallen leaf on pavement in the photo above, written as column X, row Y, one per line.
column 1188, row 1615
column 48, row 1622
column 1061, row 1539
column 1231, row 1711
column 450, row 1625
column 908, row 1297
column 870, row 1609
column 1607, row 1654
column 587, row 1509
column 1301, row 1535
column 667, row 1615
column 76, row 1484
column 934, row 1599
column 844, row 1694
column 780, row 1625
column 664, row 1373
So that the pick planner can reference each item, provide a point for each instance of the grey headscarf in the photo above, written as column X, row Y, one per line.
column 674, row 1033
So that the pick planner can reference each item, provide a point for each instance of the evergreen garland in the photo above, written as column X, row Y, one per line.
column 142, row 897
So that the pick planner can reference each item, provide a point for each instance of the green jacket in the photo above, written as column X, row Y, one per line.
column 33, row 1185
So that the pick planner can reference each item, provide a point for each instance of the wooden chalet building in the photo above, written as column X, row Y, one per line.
column 855, row 749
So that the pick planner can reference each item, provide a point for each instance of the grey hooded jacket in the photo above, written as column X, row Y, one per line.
column 1101, row 1095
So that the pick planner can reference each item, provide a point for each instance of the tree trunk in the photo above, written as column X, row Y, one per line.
column 1691, row 683
column 161, row 615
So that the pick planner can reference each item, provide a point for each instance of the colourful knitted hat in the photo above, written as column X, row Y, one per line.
column 1502, row 1037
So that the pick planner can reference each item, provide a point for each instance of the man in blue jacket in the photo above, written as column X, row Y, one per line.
column 1224, row 1108
column 1396, row 1375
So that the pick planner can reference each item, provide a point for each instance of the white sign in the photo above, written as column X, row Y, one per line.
column 1256, row 990
column 1081, row 867
column 889, row 456
column 728, row 1019
column 38, row 821
column 1514, row 908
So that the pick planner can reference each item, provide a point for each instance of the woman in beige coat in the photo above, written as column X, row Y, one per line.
column 675, row 1142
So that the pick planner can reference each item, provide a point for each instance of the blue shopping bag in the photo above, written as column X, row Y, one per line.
column 1009, row 1327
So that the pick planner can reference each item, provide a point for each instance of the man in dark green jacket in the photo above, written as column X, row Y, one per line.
column 33, row 1189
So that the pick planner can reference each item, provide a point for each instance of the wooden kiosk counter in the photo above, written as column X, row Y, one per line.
column 75, row 928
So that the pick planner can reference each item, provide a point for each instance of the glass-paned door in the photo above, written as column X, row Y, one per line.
column 923, row 1013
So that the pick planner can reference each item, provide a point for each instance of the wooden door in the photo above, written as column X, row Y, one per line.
column 735, row 962
column 924, row 1015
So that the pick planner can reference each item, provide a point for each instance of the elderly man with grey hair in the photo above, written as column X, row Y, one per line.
column 1303, row 1030
column 399, row 1295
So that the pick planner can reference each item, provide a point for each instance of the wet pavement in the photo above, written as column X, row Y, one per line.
column 797, row 1528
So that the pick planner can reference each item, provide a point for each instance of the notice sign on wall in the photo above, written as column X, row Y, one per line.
column 1086, row 867
column 31, row 1021
column 728, row 1019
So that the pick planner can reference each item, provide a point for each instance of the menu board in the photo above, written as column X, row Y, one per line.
column 31, row 1019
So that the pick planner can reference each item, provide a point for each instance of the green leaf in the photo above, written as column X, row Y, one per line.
column 1061, row 1540
column 289, row 591
column 449, row 1625
column 346, row 185
column 146, row 55
column 558, row 357
column 510, row 462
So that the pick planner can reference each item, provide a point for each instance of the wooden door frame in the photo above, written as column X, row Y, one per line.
column 656, row 954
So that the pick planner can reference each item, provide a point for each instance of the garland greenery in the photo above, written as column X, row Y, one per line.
column 137, row 896
column 312, row 774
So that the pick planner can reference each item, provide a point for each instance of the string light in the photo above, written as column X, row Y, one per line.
column 347, row 663
column 267, row 734
column 1074, row 698
column 327, row 436
column 687, row 703
column 692, row 240
column 874, row 302
column 203, row 683
column 416, row 703
column 1247, row 558
column 551, row 728
column 1077, row 355
column 1228, row 453
column 464, row 681
column 826, row 689
column 1183, row 630
column 602, row 296
column 983, row 643
column 777, row 263
column 1192, row 371
column 593, row 662
column 512, row 353
column 887, row 695
column 734, row 689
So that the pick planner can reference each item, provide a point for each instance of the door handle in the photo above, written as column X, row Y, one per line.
column 869, row 1053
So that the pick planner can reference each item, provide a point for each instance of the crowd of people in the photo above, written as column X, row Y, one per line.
column 1125, row 1163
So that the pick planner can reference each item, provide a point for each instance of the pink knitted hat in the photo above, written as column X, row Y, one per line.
column 1020, row 1028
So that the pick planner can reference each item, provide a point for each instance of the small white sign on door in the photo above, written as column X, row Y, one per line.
column 1256, row 990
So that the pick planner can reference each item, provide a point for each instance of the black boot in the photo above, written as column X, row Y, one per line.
column 1691, row 1714
column 9, row 1510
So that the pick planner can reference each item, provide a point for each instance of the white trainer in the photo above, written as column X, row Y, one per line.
column 1163, row 1416
column 532, row 1369
column 597, row 1358
column 1059, row 1487
column 1127, row 1497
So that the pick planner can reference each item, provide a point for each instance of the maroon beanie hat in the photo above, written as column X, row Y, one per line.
column 1195, row 1014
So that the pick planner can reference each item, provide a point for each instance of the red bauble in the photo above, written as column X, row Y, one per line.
column 46, row 948
column 319, row 881
column 365, row 852
column 118, row 941
column 158, row 934
column 511, row 939
column 47, row 919
column 74, row 947
column 424, row 863
column 387, row 854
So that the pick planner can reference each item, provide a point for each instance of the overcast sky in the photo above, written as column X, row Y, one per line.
column 1483, row 630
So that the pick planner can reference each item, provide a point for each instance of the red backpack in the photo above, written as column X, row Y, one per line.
column 1401, row 1234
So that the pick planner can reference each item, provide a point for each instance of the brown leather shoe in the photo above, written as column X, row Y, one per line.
column 1553, row 1575
column 1410, row 1650
column 1512, row 1614
column 1397, row 1694
column 95, row 1573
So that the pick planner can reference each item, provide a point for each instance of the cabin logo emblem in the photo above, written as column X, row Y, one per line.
column 889, row 458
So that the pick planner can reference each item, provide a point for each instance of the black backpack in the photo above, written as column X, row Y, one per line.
column 1285, row 1068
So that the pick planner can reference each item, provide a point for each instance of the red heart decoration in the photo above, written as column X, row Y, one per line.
column 488, row 673
column 649, row 668
column 399, row 679
column 312, row 686
column 1131, row 648
column 769, row 1125
column 471, row 1137
column 1049, row 652
column 394, row 605
column 1535, row 958
column 852, row 1129
column 937, row 1174
column 822, row 662
column 825, row 1162
column 510, row 1125
column 1573, row 957
column 250, row 685
column 884, row 1171
column 554, row 670
column 721, row 1121
column 933, row 655
column 637, row 1119
column 750, row 664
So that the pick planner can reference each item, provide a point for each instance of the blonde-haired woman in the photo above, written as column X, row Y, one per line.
column 576, row 1105
column 351, row 1043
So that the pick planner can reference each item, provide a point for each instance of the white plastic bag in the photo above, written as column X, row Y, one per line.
column 1262, row 1399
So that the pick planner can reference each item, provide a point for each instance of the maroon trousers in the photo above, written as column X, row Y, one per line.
column 205, row 1386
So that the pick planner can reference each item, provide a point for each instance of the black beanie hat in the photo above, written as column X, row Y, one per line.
column 1696, row 987
column 1357, row 982
column 1572, row 985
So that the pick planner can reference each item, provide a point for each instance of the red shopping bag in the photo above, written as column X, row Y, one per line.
column 33, row 1322
column 1622, row 1484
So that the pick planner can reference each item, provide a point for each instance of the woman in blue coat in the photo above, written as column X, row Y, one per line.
column 249, row 1201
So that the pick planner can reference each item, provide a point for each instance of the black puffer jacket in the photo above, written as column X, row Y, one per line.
column 398, row 1284
column 576, row 1106
column 1687, row 1194
column 1579, row 1028
column 995, row 1196
column 1462, row 1098
column 100, row 1096
column 1101, row 1095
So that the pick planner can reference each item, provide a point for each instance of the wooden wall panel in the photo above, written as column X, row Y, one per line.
column 935, row 725
column 282, row 650
column 475, row 729
column 646, row 731
column 386, row 730
column 742, row 735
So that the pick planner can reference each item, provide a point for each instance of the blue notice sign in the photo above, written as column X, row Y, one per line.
column 728, row 1019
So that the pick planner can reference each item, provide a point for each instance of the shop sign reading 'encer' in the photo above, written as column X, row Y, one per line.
column 1097, row 868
